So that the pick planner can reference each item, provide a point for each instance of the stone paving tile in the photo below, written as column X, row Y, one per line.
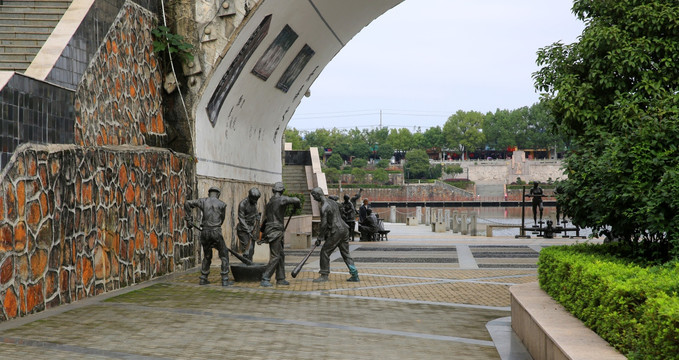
column 158, row 322
column 457, row 293
column 398, row 310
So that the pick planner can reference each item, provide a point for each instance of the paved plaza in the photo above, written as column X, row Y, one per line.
column 422, row 295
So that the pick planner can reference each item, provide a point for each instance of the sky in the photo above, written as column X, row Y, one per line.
column 422, row 61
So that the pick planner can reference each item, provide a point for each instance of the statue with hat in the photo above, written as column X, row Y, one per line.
column 248, row 223
column 273, row 232
column 214, row 212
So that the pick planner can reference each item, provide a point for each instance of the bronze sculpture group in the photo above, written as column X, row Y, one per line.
column 334, row 231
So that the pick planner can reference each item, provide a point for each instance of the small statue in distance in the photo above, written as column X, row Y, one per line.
column 214, row 212
column 536, row 193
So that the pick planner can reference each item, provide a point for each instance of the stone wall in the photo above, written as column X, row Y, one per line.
column 76, row 222
column 411, row 192
column 119, row 98
column 232, row 192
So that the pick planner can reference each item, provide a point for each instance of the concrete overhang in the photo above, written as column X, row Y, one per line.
column 241, row 116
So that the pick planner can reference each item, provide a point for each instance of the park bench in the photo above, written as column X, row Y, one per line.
column 490, row 227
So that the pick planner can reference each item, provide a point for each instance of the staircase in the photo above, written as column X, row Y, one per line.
column 294, row 178
column 24, row 28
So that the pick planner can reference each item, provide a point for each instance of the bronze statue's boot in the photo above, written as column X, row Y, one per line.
column 203, row 281
column 282, row 282
column 226, row 282
column 354, row 274
column 322, row 278
column 265, row 283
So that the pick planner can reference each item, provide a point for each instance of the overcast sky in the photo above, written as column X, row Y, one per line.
column 423, row 60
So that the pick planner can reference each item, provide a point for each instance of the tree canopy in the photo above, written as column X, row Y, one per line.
column 615, row 94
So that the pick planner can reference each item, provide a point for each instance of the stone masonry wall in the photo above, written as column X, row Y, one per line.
column 77, row 222
column 231, row 192
column 119, row 98
column 411, row 192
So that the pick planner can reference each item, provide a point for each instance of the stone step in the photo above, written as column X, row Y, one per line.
column 33, row 9
column 28, row 21
column 44, row 3
column 18, row 66
column 21, row 42
column 27, row 35
column 17, row 49
column 26, row 28
column 19, row 57
column 33, row 15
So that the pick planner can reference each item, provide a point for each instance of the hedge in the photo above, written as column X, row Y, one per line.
column 634, row 308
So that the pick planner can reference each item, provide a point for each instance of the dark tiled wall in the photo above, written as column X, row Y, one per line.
column 70, row 67
column 34, row 111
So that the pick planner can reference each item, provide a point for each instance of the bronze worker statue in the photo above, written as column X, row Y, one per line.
column 349, row 212
column 273, row 232
column 536, row 194
column 335, row 232
column 248, row 224
column 214, row 212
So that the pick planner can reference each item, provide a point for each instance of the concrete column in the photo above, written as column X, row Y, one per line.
column 427, row 215
column 439, row 215
column 392, row 214
column 418, row 214
column 464, row 228
column 456, row 221
column 472, row 225
column 446, row 219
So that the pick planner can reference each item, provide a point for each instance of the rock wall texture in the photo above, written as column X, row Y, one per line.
column 77, row 222
column 119, row 99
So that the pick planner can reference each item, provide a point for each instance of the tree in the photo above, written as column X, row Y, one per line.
column 358, row 174
column 293, row 136
column 453, row 169
column 501, row 128
column 361, row 150
column 332, row 175
column 359, row 163
column 334, row 161
column 615, row 93
column 464, row 129
column 380, row 176
column 417, row 164
column 385, row 152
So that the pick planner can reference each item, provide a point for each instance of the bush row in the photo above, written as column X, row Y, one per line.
column 634, row 308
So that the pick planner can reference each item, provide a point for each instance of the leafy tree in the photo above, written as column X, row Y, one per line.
column 400, row 139
column 293, row 136
column 417, row 164
column 380, row 176
column 385, row 152
column 464, row 129
column 334, row 161
column 358, row 174
column 382, row 164
column 435, row 171
column 453, row 169
column 359, row 163
column 502, row 127
column 360, row 150
column 332, row 175
column 616, row 93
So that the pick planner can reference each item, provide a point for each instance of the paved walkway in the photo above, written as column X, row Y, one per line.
column 422, row 295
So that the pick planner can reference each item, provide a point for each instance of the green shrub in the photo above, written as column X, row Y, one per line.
column 291, row 210
column 635, row 308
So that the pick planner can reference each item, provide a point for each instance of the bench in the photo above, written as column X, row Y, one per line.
column 490, row 227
